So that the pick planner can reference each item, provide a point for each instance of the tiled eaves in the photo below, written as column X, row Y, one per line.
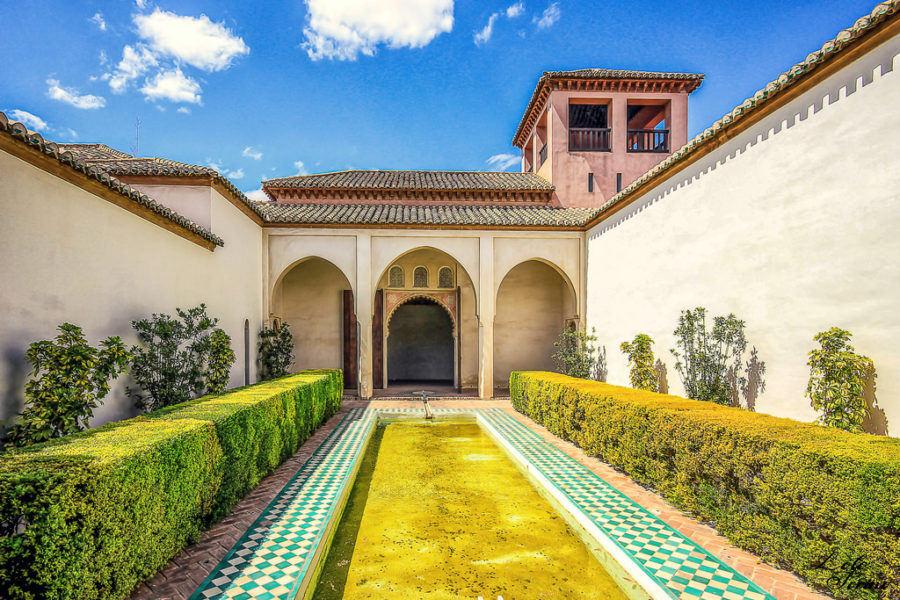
column 20, row 134
column 615, row 78
column 755, row 108
column 426, row 216
column 161, row 167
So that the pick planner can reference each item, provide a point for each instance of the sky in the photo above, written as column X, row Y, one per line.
column 261, row 90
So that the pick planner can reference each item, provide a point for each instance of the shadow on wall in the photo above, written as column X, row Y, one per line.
column 13, row 399
column 876, row 421
column 880, row 61
column 662, row 377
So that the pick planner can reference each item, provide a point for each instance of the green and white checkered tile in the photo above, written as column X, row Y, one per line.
column 680, row 566
column 271, row 558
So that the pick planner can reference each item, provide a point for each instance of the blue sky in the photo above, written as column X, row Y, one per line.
column 285, row 87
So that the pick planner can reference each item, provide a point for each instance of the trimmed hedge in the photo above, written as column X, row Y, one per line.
column 819, row 501
column 92, row 515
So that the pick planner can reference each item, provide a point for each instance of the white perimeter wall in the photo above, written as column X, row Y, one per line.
column 68, row 255
column 794, row 226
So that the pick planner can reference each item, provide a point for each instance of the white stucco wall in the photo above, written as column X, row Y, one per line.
column 793, row 226
column 71, row 256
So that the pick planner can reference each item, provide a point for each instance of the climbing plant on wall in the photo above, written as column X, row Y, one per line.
column 69, row 380
column 178, row 359
column 837, row 381
column 641, row 363
column 276, row 351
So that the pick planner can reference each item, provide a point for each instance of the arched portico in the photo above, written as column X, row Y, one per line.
column 535, row 301
column 421, row 342
column 313, row 296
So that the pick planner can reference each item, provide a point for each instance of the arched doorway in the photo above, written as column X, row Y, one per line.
column 313, row 297
column 420, row 344
column 534, row 304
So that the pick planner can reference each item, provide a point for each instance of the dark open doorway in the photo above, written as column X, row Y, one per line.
column 420, row 346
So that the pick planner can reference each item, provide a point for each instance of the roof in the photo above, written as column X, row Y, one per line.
column 690, row 81
column 21, row 134
column 416, row 180
column 756, row 106
column 115, row 162
column 431, row 215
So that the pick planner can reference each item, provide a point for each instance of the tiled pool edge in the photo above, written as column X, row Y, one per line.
column 694, row 573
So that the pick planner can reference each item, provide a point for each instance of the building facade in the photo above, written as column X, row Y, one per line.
column 616, row 222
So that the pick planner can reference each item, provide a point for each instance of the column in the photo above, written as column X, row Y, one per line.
column 486, row 305
column 364, row 296
column 619, row 124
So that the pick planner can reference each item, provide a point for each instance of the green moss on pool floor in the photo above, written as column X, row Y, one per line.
column 439, row 511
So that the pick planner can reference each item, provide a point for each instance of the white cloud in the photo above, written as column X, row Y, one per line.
column 98, row 20
column 258, row 195
column 103, row 59
column 515, row 10
column 29, row 120
column 347, row 28
column 548, row 17
column 216, row 165
column 239, row 174
column 482, row 37
column 71, row 134
column 502, row 162
column 249, row 152
column 71, row 96
column 141, row 4
column 135, row 62
column 184, row 110
column 195, row 41
column 301, row 169
column 172, row 85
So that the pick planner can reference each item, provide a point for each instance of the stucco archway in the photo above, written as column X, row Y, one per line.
column 534, row 303
column 309, row 296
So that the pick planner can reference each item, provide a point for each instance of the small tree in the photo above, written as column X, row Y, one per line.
column 601, row 371
column 576, row 354
column 276, row 351
column 179, row 359
column 641, row 363
column 837, row 381
column 710, row 362
column 70, row 378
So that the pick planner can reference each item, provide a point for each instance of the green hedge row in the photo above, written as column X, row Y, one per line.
column 92, row 515
column 819, row 501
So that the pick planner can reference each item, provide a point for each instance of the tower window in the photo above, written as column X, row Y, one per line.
column 590, row 182
column 420, row 277
column 396, row 277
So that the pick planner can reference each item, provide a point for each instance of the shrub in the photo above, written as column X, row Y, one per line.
column 179, row 359
column 92, row 515
column 710, row 362
column 276, row 351
column 821, row 502
column 578, row 357
column 644, row 375
column 70, row 378
column 837, row 381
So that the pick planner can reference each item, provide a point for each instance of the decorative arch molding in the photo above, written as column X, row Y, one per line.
column 300, row 261
column 559, row 271
column 288, row 251
column 464, row 251
column 394, row 300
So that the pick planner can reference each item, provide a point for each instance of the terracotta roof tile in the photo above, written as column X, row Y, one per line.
column 438, row 215
column 73, row 159
column 416, row 180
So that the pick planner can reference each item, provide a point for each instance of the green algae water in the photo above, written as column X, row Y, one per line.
column 439, row 511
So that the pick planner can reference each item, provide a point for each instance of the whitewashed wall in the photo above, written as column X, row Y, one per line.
column 68, row 255
column 794, row 226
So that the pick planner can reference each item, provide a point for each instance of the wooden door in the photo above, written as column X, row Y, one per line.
column 378, row 341
column 351, row 374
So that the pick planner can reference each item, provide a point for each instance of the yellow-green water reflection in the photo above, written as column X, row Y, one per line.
column 439, row 511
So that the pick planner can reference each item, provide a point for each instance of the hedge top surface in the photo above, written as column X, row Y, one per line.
column 811, row 436
column 122, row 440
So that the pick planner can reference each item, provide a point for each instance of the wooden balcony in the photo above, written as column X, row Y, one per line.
column 648, row 140
column 589, row 139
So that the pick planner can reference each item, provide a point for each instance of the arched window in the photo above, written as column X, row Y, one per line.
column 396, row 277
column 445, row 278
column 420, row 277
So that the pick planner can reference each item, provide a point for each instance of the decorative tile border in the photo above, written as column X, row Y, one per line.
column 275, row 555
